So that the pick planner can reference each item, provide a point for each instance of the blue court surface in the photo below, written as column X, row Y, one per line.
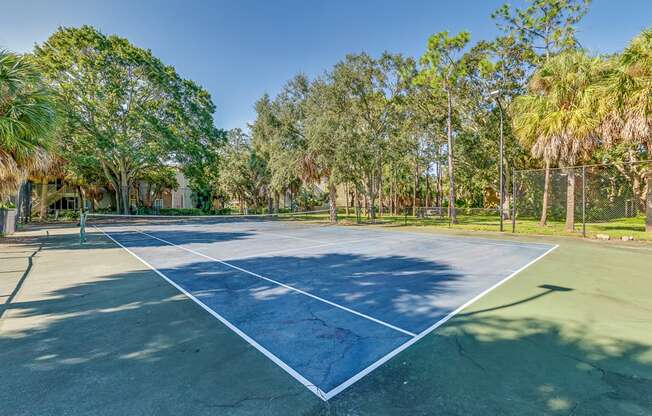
column 327, row 304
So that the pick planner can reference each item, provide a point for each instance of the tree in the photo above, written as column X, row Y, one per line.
column 201, row 164
column 368, row 90
column 28, row 121
column 326, row 144
column 493, row 67
column 155, row 181
column 555, row 120
column 624, row 100
column 544, row 28
column 246, row 176
column 424, row 115
column 442, row 67
column 278, row 134
column 540, row 31
column 124, row 107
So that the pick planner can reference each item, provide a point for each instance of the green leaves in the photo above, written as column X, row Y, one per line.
column 28, row 111
column 441, row 65
column 28, row 121
column 555, row 118
column 124, row 107
column 544, row 27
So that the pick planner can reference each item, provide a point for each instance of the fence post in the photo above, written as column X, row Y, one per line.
column 584, row 201
column 513, row 200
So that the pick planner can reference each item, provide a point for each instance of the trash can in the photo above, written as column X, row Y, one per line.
column 7, row 220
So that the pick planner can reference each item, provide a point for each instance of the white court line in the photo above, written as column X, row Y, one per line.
column 255, row 231
column 333, row 392
column 301, row 379
column 267, row 253
column 261, row 232
column 287, row 236
column 460, row 239
column 344, row 308
column 422, row 334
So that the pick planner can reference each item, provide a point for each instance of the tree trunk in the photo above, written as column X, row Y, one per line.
column 124, row 191
column 43, row 211
column 416, row 185
column 118, row 208
column 506, row 210
column 648, row 201
column 427, row 188
column 451, row 175
column 82, row 198
column 332, row 201
column 438, row 201
column 380, row 193
column 148, row 200
column 570, row 201
column 346, row 198
column 396, row 204
column 546, row 192
column 392, row 195
column 356, row 201
column 19, row 201
column 371, row 197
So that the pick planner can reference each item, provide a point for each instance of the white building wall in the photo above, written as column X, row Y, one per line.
column 182, row 197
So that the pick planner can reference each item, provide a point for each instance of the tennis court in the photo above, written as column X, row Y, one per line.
column 326, row 304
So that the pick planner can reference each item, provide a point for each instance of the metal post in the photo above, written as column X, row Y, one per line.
column 584, row 201
column 513, row 200
column 82, row 227
column 501, row 206
column 502, row 192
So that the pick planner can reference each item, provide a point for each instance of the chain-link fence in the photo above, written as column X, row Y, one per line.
column 473, row 218
column 574, row 197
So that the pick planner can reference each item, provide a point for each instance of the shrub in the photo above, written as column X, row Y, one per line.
column 181, row 211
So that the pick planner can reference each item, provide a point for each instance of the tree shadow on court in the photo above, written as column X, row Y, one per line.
column 96, row 240
column 178, row 236
column 129, row 342
column 132, row 344
column 408, row 292
column 495, row 365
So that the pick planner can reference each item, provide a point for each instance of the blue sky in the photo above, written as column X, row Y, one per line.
column 240, row 49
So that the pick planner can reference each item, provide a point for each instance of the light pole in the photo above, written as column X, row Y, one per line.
column 496, row 95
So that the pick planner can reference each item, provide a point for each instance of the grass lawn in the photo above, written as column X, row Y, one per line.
column 616, row 229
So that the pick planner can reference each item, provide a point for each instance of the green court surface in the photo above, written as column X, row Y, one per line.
column 90, row 330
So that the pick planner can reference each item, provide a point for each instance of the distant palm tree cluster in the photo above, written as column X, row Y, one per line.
column 576, row 105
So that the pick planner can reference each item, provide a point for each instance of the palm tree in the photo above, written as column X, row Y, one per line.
column 556, row 120
column 625, row 99
column 27, row 121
